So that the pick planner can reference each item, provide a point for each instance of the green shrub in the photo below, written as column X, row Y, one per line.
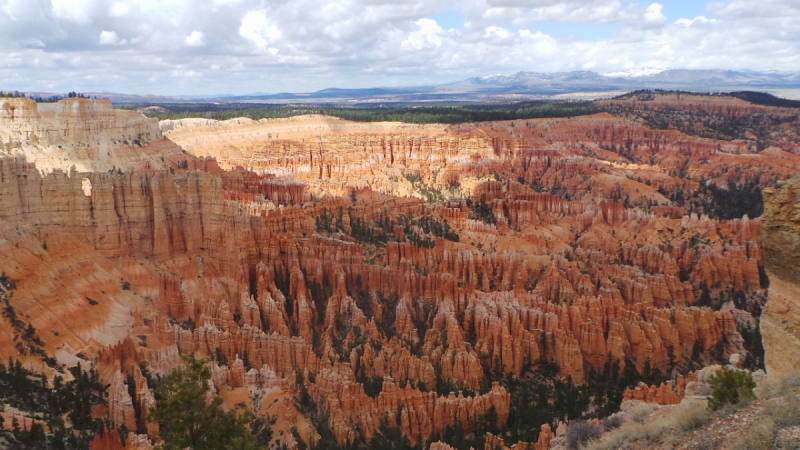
column 730, row 387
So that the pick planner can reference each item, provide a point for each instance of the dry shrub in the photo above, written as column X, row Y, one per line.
column 654, row 430
column 787, row 412
column 579, row 433
column 648, row 432
column 691, row 415
column 612, row 422
column 640, row 412
column 727, row 411
column 706, row 442
column 758, row 437
column 785, row 441
column 775, row 387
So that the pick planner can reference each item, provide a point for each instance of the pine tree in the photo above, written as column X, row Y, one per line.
column 185, row 420
column 730, row 387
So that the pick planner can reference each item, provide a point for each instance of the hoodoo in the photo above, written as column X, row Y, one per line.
column 346, row 283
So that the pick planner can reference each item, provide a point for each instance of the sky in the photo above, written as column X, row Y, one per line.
column 211, row 47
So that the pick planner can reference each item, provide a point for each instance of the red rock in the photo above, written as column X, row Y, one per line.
column 579, row 279
column 545, row 436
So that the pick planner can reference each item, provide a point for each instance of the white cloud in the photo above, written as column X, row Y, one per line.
column 302, row 45
column 427, row 36
column 179, row 73
column 119, row 9
column 111, row 38
column 525, row 12
column 71, row 10
column 690, row 22
column 496, row 33
column 194, row 40
column 258, row 29
column 635, row 73
column 654, row 16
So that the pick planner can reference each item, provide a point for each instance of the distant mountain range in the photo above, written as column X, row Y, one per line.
column 521, row 85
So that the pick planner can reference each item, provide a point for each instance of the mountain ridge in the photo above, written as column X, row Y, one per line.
column 500, row 86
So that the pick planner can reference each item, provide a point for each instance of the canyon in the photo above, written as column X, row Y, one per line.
column 345, row 278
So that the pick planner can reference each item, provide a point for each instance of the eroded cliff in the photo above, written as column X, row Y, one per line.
column 780, row 323
column 89, row 135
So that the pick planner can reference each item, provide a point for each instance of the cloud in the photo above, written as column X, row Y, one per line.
column 72, row 10
column 241, row 46
column 654, row 16
column 258, row 29
column 690, row 22
column 194, row 40
column 119, row 10
column 185, row 73
column 526, row 12
column 427, row 36
column 496, row 33
column 111, row 38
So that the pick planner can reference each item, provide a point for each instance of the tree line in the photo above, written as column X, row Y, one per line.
column 437, row 113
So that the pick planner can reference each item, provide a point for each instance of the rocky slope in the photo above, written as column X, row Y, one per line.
column 344, row 278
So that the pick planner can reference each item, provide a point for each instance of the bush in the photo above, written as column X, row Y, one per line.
column 612, row 422
column 580, row 433
column 730, row 387
column 691, row 416
column 707, row 442
column 647, row 433
column 787, row 412
column 640, row 412
column 776, row 387
column 785, row 441
column 757, row 437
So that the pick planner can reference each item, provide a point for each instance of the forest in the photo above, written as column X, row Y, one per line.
column 409, row 113
column 54, row 403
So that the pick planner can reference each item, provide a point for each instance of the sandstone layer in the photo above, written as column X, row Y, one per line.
column 84, row 134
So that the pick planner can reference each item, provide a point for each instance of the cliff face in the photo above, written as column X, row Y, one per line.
column 781, row 229
column 135, row 214
column 371, row 269
column 780, row 323
column 88, row 134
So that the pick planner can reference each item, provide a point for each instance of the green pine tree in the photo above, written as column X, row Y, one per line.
column 730, row 387
column 186, row 421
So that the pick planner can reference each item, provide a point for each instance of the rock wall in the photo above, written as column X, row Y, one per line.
column 88, row 134
column 780, row 322
column 149, row 213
